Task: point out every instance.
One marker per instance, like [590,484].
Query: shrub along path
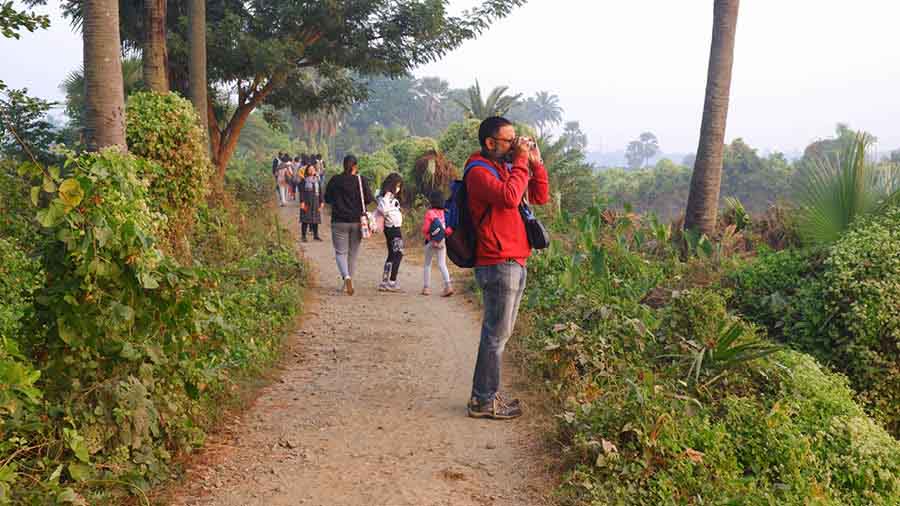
[370,408]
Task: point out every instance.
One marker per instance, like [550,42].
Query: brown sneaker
[448,291]
[348,285]
[495,409]
[426,291]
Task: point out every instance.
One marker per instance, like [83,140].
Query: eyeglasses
[511,140]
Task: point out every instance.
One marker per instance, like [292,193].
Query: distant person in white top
[389,207]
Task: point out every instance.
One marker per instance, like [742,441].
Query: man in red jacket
[501,249]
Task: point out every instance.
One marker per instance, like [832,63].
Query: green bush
[407,151]
[773,428]
[376,166]
[128,355]
[164,128]
[840,305]
[765,289]
[858,331]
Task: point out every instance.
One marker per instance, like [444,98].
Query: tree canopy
[304,55]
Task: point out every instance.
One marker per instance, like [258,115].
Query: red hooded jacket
[501,232]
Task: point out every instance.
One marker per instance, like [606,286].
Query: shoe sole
[491,416]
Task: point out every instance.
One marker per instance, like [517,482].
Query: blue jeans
[502,286]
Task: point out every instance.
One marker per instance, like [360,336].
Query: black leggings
[311,226]
[394,240]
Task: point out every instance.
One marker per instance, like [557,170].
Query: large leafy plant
[835,190]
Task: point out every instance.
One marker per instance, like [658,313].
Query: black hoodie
[342,193]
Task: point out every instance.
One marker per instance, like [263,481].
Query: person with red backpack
[497,180]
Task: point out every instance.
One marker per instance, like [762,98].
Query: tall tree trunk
[703,200]
[155,58]
[197,65]
[103,90]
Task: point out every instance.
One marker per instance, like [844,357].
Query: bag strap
[362,197]
[484,165]
[492,170]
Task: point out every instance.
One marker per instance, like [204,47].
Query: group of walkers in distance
[497,182]
[301,180]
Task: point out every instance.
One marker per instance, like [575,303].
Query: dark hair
[350,161]
[317,156]
[490,127]
[390,182]
[436,199]
[308,168]
[296,158]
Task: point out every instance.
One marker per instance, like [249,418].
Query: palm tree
[154,51]
[703,199]
[497,103]
[432,93]
[197,62]
[547,111]
[73,87]
[104,96]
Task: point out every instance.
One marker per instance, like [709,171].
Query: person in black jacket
[348,194]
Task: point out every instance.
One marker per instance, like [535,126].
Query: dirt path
[370,409]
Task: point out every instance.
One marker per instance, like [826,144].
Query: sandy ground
[369,408]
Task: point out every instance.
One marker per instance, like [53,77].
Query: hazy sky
[621,68]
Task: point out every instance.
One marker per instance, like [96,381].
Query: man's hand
[522,147]
[534,155]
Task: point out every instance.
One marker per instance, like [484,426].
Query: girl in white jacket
[389,208]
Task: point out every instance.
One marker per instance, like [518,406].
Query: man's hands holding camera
[526,146]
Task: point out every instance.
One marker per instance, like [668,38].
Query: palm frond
[836,190]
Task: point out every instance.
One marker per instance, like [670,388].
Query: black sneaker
[495,409]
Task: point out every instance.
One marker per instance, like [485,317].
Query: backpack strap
[492,170]
[484,165]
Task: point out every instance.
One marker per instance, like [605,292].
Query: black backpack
[461,242]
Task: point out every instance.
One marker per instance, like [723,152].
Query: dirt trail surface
[369,409]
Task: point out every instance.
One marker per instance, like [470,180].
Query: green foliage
[840,305]
[711,343]
[164,128]
[13,20]
[834,191]
[377,166]
[459,141]
[25,133]
[758,183]
[858,330]
[497,103]
[121,358]
[408,150]
[773,429]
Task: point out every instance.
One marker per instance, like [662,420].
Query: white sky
[621,68]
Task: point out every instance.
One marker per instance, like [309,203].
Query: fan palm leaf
[836,190]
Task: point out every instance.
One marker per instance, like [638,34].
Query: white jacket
[389,207]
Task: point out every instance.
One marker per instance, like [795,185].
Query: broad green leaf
[69,496]
[35,194]
[148,281]
[70,192]
[80,471]
[49,185]
[76,444]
